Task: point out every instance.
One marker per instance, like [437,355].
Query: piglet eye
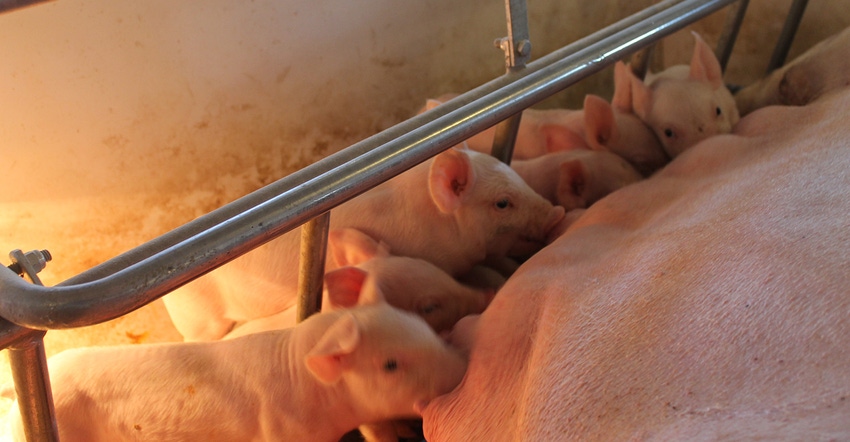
[668,133]
[718,111]
[503,203]
[390,365]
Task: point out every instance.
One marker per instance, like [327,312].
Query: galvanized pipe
[786,37]
[314,242]
[264,194]
[639,63]
[734,18]
[329,182]
[517,47]
[32,387]
[28,361]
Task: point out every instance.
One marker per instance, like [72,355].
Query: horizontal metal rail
[146,273]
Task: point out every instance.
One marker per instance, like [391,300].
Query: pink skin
[823,68]
[599,126]
[472,206]
[686,104]
[578,178]
[410,284]
[708,302]
[315,382]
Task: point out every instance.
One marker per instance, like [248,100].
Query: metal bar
[11,5]
[32,387]
[314,243]
[29,364]
[319,187]
[786,37]
[264,194]
[517,47]
[639,63]
[734,18]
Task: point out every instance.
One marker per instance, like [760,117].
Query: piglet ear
[622,99]
[450,178]
[704,64]
[571,184]
[641,98]
[344,286]
[331,355]
[559,138]
[350,247]
[599,122]
[431,103]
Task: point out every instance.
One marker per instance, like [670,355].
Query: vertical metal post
[314,242]
[29,363]
[32,386]
[734,18]
[786,37]
[639,62]
[517,48]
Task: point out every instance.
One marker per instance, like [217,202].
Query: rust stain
[136,338]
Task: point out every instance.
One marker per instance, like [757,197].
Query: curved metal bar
[293,200]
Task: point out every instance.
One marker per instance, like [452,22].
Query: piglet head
[411,284]
[686,108]
[614,127]
[386,360]
[491,205]
[417,286]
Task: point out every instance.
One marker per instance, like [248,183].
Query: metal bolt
[37,260]
[523,48]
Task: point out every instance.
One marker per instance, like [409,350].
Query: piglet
[540,131]
[599,125]
[411,284]
[823,68]
[627,135]
[686,104]
[455,210]
[578,178]
[317,381]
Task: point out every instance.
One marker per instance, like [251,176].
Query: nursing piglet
[599,125]
[578,178]
[454,211]
[628,136]
[686,104]
[411,284]
[823,68]
[317,381]
[540,131]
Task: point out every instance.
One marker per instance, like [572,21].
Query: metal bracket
[29,263]
[517,45]
[517,49]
